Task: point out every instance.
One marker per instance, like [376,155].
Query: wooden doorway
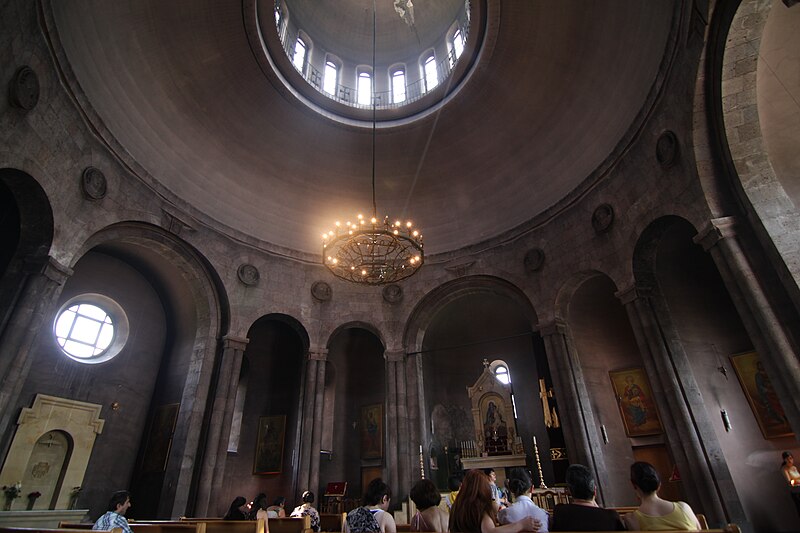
[658,456]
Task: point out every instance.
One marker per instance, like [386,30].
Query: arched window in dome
[430,73]
[330,77]
[398,85]
[458,44]
[364,88]
[300,54]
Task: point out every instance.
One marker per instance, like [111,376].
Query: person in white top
[520,486]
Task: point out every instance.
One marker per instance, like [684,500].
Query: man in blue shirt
[115,516]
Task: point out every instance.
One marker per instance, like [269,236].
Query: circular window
[91,328]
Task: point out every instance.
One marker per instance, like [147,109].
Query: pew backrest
[235,526]
[290,525]
[329,522]
[76,525]
[6,529]
[167,527]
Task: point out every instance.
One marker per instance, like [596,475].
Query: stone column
[404,450]
[216,449]
[394,360]
[316,436]
[43,285]
[777,352]
[577,415]
[690,434]
[309,456]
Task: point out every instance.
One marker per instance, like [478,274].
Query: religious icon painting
[372,431]
[761,396]
[269,445]
[636,402]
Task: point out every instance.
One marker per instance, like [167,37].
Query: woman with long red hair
[474,511]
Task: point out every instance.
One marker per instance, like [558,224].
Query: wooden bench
[75,525]
[200,525]
[730,528]
[167,527]
[53,530]
[290,525]
[329,521]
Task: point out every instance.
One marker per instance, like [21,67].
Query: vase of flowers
[32,499]
[11,492]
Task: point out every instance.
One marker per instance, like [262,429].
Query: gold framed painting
[761,396]
[269,445]
[372,431]
[636,403]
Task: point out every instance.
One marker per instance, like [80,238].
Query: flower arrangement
[12,492]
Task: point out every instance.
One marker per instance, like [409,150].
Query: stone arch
[644,254]
[436,299]
[294,324]
[357,324]
[734,165]
[196,305]
[26,225]
[567,290]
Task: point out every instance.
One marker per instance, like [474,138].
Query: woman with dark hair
[429,516]
[307,509]
[474,510]
[520,487]
[373,517]
[276,510]
[655,514]
[258,507]
[238,509]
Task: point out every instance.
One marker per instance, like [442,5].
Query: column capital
[715,230]
[634,292]
[49,267]
[318,354]
[556,326]
[237,343]
[394,355]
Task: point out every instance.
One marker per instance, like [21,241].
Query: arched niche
[355,378]
[26,233]
[449,334]
[272,370]
[78,424]
[604,343]
[47,467]
[690,296]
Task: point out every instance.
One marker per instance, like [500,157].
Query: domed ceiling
[179,88]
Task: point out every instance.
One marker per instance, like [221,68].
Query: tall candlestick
[421,463]
[538,464]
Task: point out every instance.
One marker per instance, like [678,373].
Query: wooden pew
[330,521]
[167,527]
[53,530]
[730,528]
[235,526]
[290,525]
[75,525]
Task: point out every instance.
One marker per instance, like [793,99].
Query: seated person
[429,517]
[520,486]
[307,509]
[258,507]
[475,511]
[115,516]
[277,509]
[238,509]
[583,514]
[374,515]
[454,484]
[655,514]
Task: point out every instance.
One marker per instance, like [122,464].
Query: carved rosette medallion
[602,218]
[321,291]
[534,260]
[24,90]
[393,294]
[93,183]
[248,274]
[667,149]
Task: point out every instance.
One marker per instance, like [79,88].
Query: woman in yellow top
[655,514]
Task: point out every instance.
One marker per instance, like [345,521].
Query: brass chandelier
[373,251]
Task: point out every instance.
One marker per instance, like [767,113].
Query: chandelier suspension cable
[373,251]
[374,103]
